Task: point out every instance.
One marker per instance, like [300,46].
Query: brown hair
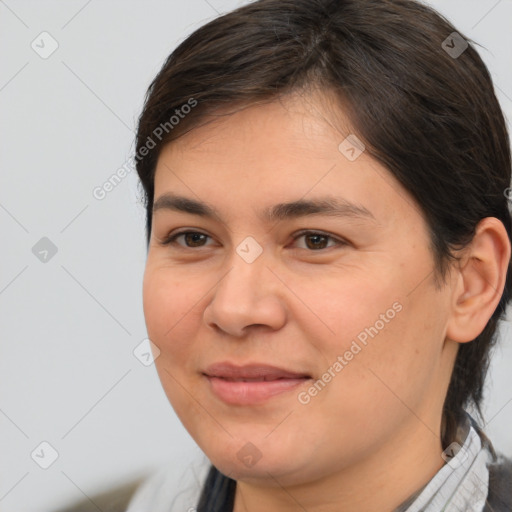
[430,116]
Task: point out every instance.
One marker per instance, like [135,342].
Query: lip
[227,370]
[252,383]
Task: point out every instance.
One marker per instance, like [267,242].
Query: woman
[328,257]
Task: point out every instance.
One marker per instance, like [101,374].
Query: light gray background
[69,326]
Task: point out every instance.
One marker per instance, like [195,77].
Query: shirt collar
[462,480]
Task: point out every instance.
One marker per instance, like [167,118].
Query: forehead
[304,117]
[267,154]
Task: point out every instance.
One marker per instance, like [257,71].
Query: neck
[381,481]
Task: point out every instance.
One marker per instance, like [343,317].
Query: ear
[480,280]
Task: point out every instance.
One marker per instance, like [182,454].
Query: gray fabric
[500,486]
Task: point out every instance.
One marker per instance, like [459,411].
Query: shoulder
[499,498]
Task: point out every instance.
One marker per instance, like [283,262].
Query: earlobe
[480,281]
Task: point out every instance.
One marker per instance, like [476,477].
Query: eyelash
[171,239]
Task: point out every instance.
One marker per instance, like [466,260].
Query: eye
[192,239]
[317,240]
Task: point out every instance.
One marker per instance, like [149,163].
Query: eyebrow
[331,206]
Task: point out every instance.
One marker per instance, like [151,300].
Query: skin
[371,437]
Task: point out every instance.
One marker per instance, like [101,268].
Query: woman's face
[344,321]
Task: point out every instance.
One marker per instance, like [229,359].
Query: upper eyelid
[184,232]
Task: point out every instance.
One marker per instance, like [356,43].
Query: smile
[249,392]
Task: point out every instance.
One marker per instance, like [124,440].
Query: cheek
[389,340]
[395,367]
[170,311]
[169,314]
[343,305]
[168,307]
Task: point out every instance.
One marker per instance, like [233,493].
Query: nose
[248,294]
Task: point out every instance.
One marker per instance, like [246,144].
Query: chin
[255,463]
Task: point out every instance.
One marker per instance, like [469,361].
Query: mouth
[251,384]
[256,379]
